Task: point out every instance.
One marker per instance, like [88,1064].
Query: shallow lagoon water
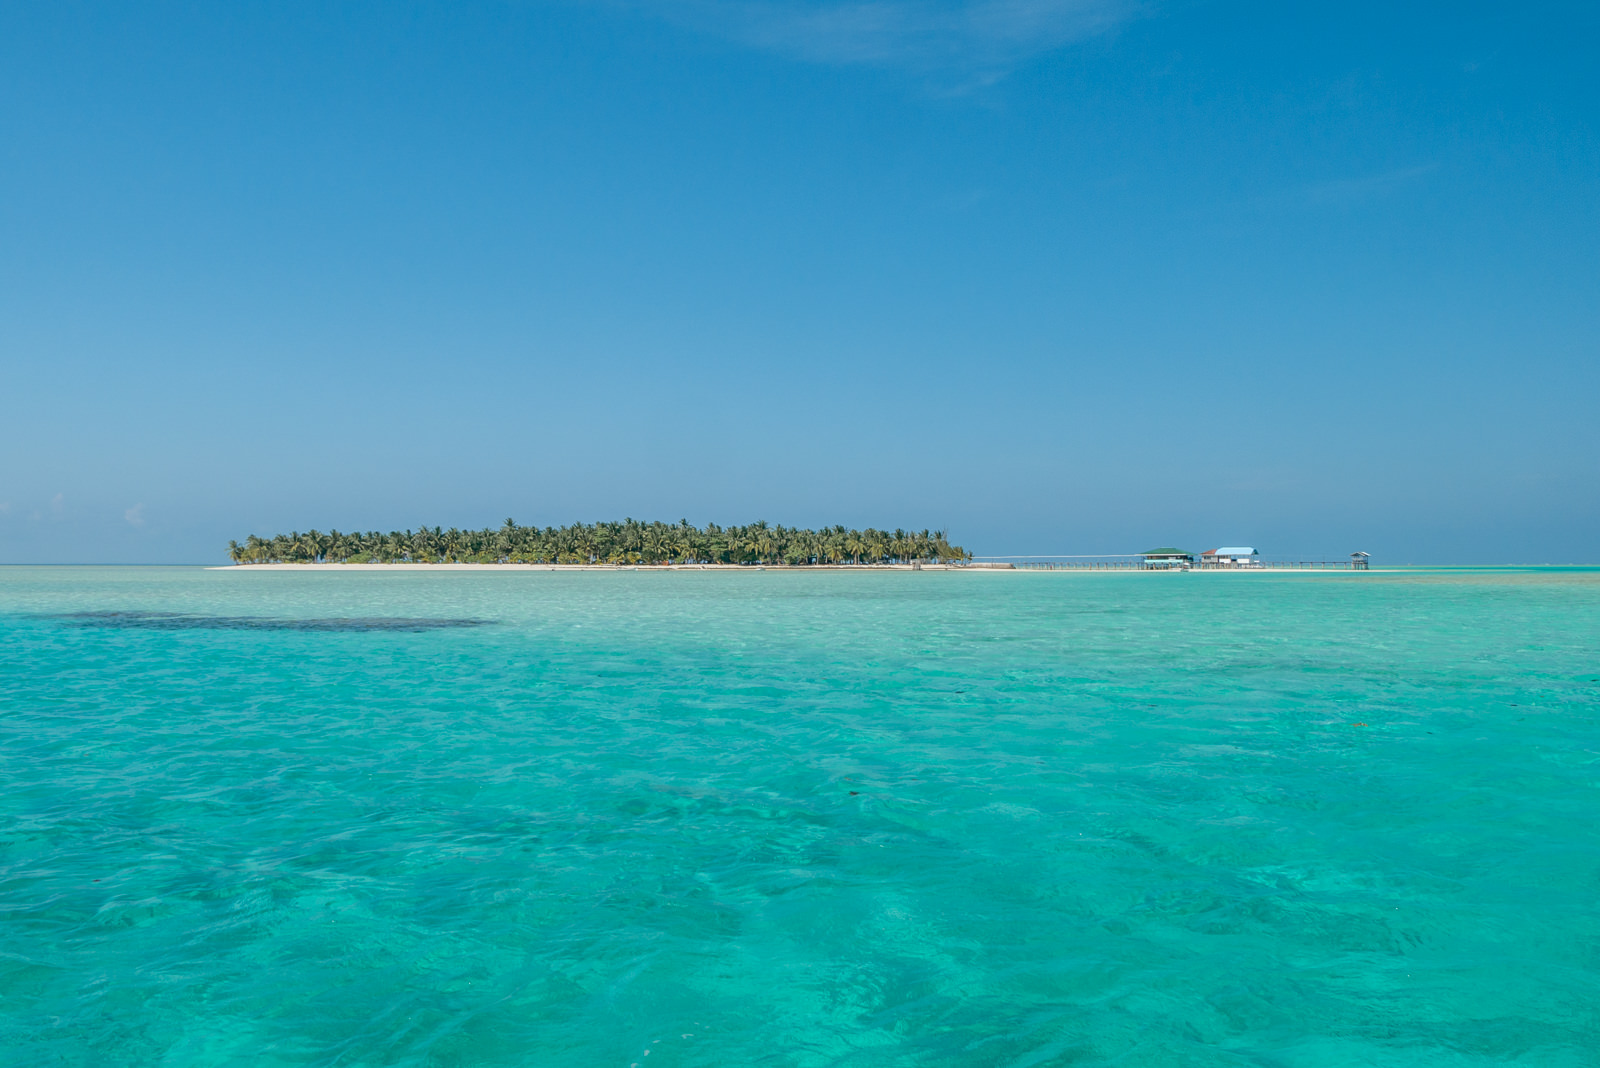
[778,818]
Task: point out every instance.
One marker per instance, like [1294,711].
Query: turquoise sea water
[776,818]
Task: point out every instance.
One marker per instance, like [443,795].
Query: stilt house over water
[1231,556]
[1167,557]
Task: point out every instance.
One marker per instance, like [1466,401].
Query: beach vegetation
[627,542]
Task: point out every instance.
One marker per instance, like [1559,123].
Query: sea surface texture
[779,818]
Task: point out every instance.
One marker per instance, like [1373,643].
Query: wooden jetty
[1173,560]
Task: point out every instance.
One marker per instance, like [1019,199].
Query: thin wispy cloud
[982,38]
[135,515]
[1344,190]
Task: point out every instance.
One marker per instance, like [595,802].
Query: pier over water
[1170,559]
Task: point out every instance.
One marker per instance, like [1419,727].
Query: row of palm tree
[627,542]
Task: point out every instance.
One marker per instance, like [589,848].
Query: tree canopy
[627,542]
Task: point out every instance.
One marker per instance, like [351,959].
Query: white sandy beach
[593,567]
[858,568]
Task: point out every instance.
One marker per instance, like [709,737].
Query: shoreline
[835,568]
[590,567]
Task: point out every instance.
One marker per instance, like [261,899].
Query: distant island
[627,542]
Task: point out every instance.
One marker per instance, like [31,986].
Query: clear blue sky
[1060,276]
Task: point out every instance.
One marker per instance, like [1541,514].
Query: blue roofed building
[1231,556]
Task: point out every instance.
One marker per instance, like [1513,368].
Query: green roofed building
[1167,557]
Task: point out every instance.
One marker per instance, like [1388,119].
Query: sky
[1056,276]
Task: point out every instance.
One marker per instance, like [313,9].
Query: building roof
[1360,554]
[1166,551]
[1235,550]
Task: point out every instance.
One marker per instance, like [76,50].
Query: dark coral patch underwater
[188,621]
